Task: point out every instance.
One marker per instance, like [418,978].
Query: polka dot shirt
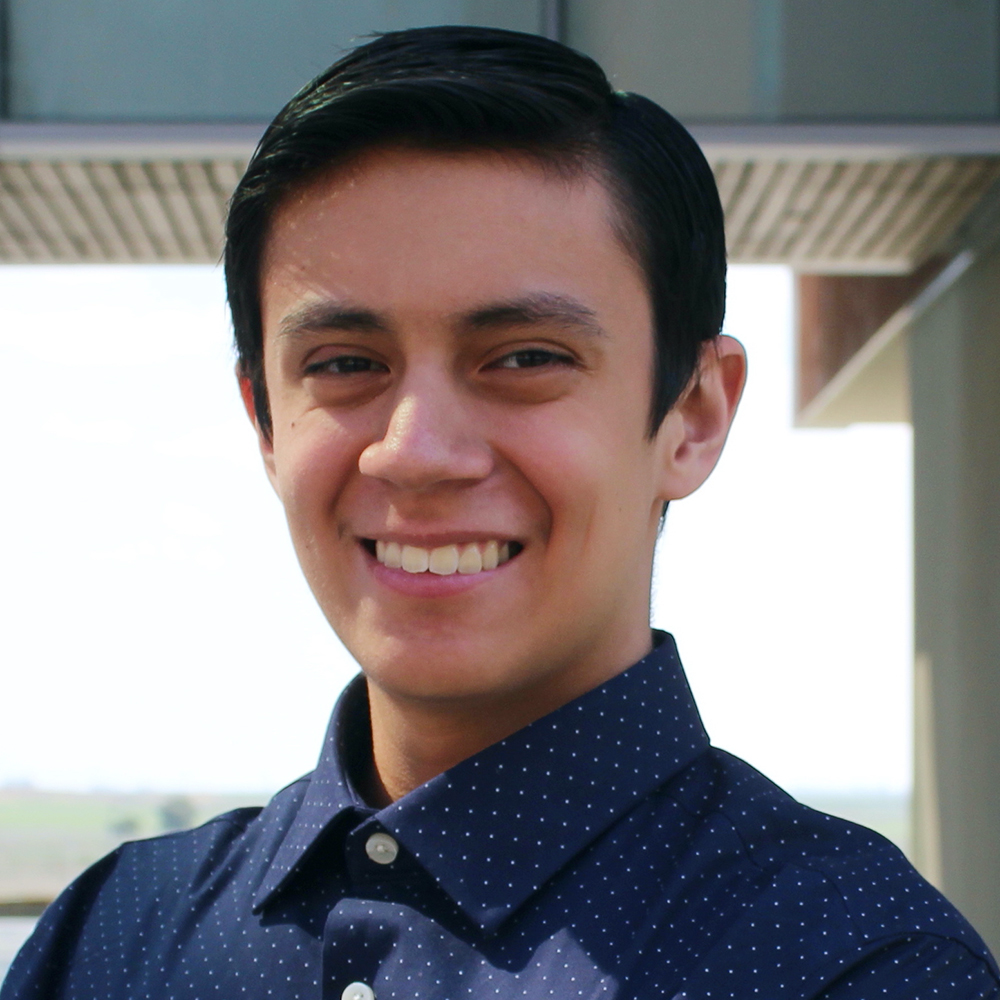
[606,850]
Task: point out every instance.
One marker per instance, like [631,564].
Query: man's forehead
[486,237]
[407,175]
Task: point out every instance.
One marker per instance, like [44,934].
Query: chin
[431,668]
[410,682]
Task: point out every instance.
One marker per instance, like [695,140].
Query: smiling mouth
[445,560]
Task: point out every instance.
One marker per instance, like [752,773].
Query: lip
[433,541]
[430,584]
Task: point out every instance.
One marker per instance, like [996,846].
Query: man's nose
[430,439]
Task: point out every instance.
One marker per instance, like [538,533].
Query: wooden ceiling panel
[882,215]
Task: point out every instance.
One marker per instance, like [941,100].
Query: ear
[263,441]
[692,434]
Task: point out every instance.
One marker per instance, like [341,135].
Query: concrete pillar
[955,386]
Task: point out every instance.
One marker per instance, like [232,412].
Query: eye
[533,357]
[346,364]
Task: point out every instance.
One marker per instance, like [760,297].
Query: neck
[414,740]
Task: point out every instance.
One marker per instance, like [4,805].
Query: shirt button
[358,991]
[382,849]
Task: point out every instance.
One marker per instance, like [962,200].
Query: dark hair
[464,88]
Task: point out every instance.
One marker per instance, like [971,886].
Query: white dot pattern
[604,851]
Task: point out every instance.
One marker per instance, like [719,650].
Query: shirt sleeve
[918,968]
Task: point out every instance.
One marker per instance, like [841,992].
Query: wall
[795,60]
[715,60]
[190,60]
[889,59]
[955,371]
[697,59]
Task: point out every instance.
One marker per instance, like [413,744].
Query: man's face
[458,354]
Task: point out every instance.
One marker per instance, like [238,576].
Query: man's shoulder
[819,893]
[142,882]
[786,840]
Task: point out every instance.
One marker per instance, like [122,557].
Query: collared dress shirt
[606,850]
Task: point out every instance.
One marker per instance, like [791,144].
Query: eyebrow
[530,310]
[527,310]
[327,315]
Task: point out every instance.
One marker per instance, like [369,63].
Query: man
[477,298]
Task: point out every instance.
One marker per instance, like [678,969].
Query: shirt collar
[494,828]
[330,794]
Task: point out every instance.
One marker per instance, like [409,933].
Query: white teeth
[491,555]
[470,561]
[444,560]
[415,560]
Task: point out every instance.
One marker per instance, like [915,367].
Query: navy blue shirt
[606,850]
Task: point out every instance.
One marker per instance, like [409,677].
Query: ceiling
[848,199]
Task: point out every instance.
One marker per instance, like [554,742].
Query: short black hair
[469,89]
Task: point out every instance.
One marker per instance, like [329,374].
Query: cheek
[588,475]
[313,459]
[613,472]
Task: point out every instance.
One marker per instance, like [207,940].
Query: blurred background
[834,588]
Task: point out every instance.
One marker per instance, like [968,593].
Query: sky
[156,633]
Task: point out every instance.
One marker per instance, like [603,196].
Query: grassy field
[48,838]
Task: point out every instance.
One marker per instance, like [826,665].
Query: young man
[477,298]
